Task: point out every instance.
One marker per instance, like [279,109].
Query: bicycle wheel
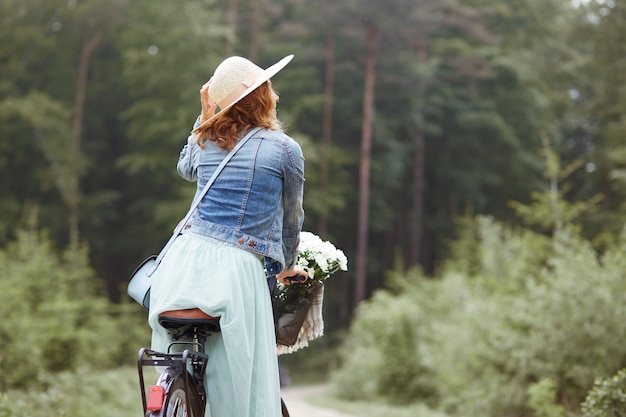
[283,408]
[177,402]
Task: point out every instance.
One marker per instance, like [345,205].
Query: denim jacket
[255,203]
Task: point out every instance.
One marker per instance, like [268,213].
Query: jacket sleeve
[293,193]
[187,166]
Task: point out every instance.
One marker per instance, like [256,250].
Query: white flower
[319,258]
[343,261]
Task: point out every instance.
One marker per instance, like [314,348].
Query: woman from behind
[246,226]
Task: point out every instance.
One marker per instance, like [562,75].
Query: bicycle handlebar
[299,278]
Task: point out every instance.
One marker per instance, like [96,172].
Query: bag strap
[199,198]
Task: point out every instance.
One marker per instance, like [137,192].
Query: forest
[468,156]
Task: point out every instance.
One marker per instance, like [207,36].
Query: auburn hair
[257,109]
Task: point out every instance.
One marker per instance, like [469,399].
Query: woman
[249,221]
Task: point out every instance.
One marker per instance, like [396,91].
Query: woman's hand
[296,270]
[208,105]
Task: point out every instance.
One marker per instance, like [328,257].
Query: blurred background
[468,156]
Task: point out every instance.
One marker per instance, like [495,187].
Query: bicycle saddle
[176,319]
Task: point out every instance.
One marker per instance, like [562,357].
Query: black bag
[289,318]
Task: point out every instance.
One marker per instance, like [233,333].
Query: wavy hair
[257,109]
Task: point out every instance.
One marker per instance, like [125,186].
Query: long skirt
[227,282]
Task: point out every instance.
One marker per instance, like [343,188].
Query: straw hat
[235,78]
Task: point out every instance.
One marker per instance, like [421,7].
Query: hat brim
[264,76]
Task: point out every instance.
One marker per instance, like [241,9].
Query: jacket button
[188,225]
[252,243]
[240,240]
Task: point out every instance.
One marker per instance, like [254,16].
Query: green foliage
[607,398]
[550,209]
[480,79]
[542,399]
[564,325]
[375,409]
[182,42]
[526,311]
[476,80]
[387,355]
[56,317]
[83,393]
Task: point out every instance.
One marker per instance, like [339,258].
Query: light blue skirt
[226,282]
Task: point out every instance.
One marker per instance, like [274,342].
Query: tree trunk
[366,145]
[418,174]
[327,125]
[255,30]
[553,175]
[72,198]
[418,200]
[233,17]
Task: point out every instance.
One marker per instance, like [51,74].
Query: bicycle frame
[183,371]
[180,361]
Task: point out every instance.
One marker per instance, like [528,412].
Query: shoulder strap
[199,198]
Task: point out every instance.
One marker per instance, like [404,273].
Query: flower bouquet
[299,301]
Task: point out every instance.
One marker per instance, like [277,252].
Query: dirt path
[298,405]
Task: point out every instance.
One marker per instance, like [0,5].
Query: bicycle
[179,391]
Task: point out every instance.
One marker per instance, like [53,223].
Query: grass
[311,366]
[85,393]
[375,409]
[115,393]
[372,409]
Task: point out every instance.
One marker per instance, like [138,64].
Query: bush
[542,399]
[562,321]
[386,356]
[524,332]
[84,393]
[56,316]
[607,398]
[568,323]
